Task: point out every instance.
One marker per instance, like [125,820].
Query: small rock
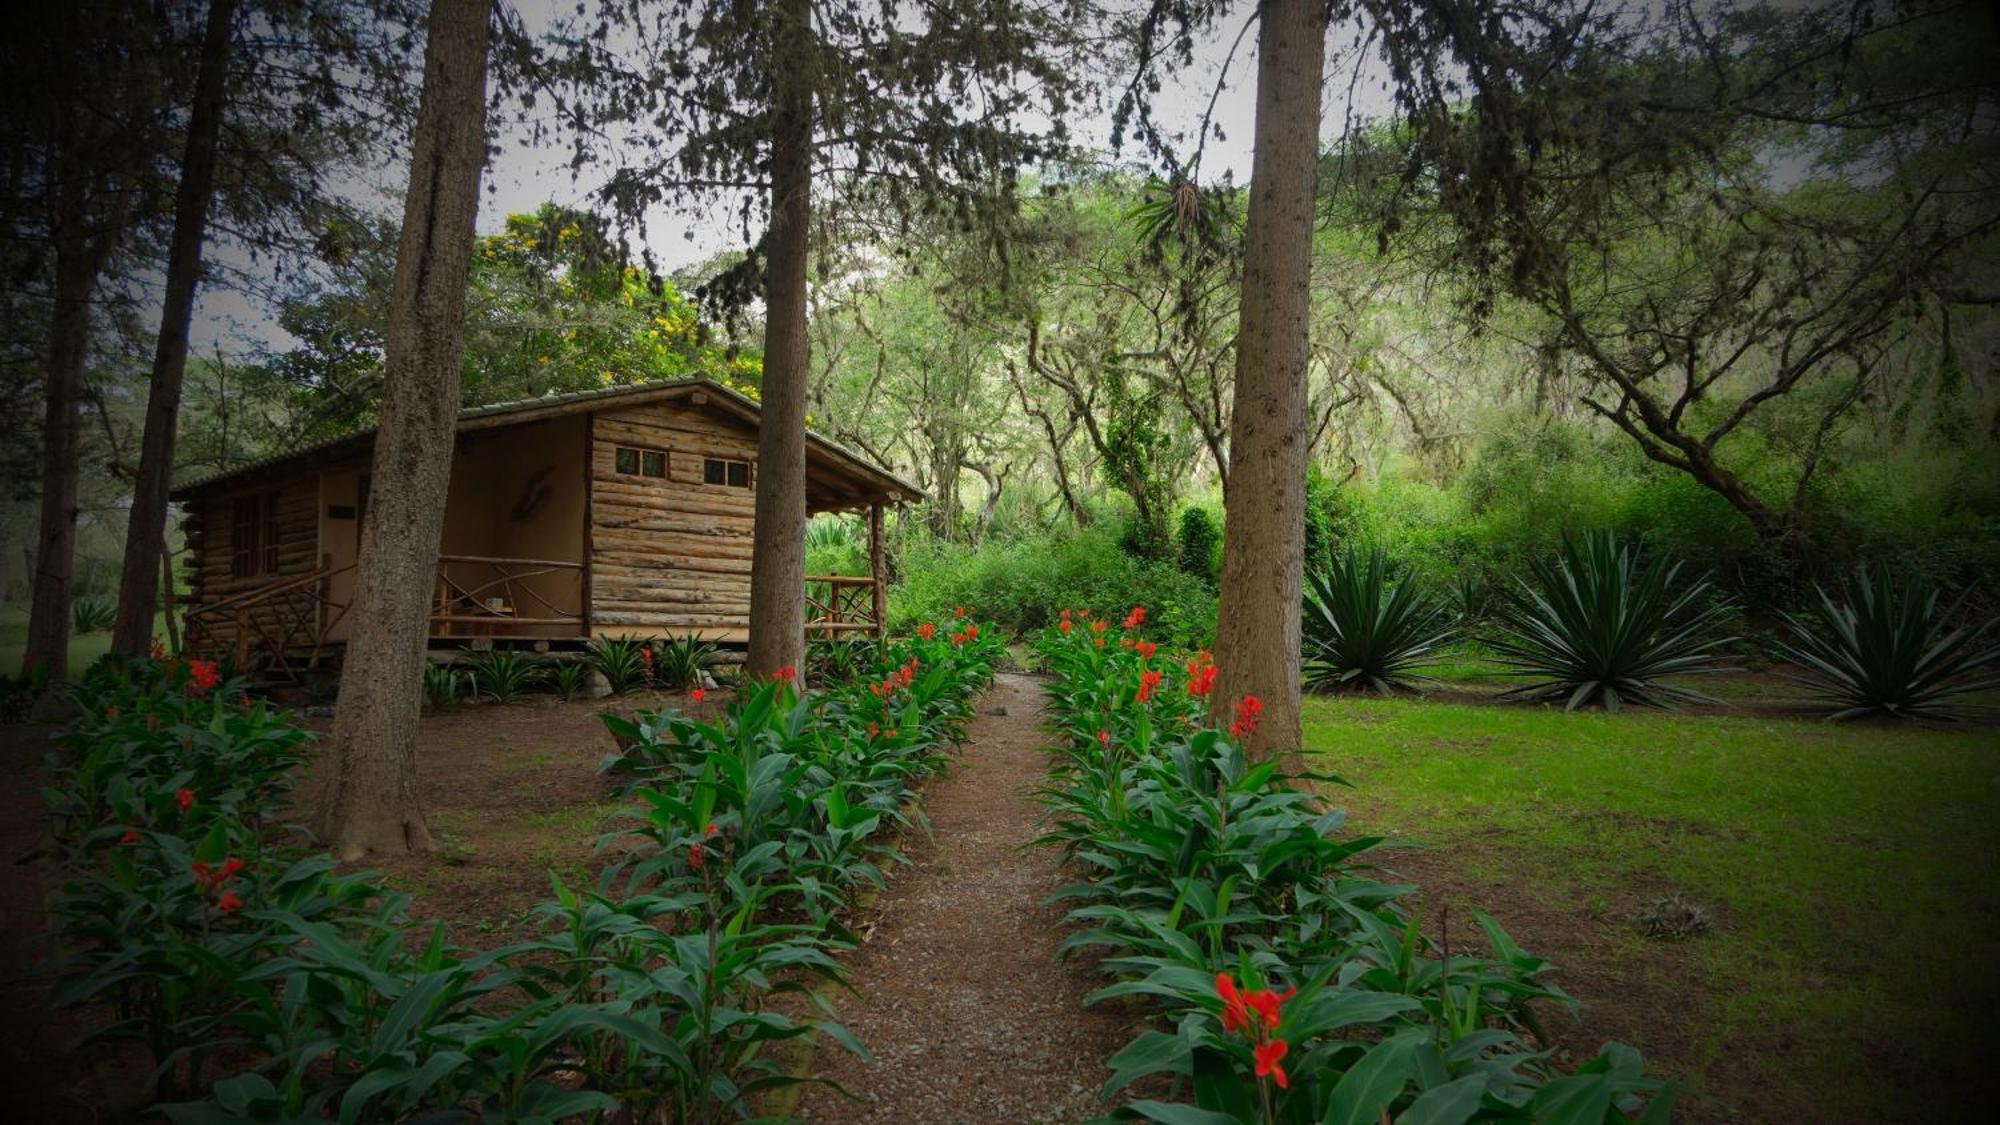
[595,686]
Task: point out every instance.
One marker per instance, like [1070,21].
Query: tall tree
[1263,544]
[145,534]
[938,105]
[373,805]
[82,99]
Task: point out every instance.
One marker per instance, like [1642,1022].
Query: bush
[679,662]
[1365,627]
[93,615]
[1200,545]
[504,674]
[1027,583]
[1883,648]
[443,685]
[622,661]
[1598,625]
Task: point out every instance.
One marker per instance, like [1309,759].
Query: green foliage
[258,983]
[838,660]
[504,674]
[1599,625]
[567,678]
[444,685]
[1322,501]
[19,693]
[1368,628]
[1026,583]
[93,615]
[1200,545]
[678,662]
[620,660]
[1228,898]
[1886,648]
[835,546]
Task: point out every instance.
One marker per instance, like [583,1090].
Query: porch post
[875,568]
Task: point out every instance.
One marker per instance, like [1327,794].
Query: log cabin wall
[670,554]
[286,546]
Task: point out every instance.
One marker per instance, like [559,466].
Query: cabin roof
[878,483]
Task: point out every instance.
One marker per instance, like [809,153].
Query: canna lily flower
[709,829]
[1266,1002]
[203,676]
[787,674]
[184,797]
[1267,1056]
[1134,618]
[694,856]
[1063,625]
[1247,710]
[926,630]
[1104,738]
[1145,649]
[697,694]
[874,729]
[228,902]
[1148,680]
[971,631]
[1235,1014]
[958,611]
[230,867]
[1201,679]
[1097,626]
[131,836]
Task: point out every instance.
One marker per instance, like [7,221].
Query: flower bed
[1293,986]
[263,984]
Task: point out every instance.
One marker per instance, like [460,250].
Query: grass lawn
[84,649]
[1848,872]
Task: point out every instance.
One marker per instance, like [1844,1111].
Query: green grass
[83,650]
[1851,870]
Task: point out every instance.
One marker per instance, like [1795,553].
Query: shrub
[1598,625]
[1885,648]
[93,615]
[835,661]
[504,674]
[679,662]
[622,661]
[443,685]
[1200,541]
[568,677]
[1365,627]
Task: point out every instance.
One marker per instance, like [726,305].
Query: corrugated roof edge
[519,406]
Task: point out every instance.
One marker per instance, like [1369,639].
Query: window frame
[255,535]
[726,467]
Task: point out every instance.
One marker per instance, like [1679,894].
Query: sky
[522,177]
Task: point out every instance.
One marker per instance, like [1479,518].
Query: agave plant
[1366,627]
[1599,625]
[1881,648]
[679,662]
[568,678]
[620,660]
[93,615]
[443,684]
[503,674]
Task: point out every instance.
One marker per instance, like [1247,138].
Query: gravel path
[968,1013]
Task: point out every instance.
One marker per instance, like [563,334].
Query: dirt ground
[960,999]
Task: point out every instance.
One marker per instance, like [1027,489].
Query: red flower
[228,902]
[1148,680]
[1063,625]
[709,829]
[1133,618]
[971,631]
[787,674]
[203,676]
[203,874]
[159,650]
[1065,615]
[1104,738]
[694,856]
[926,630]
[1097,626]
[1266,1002]
[1201,680]
[184,797]
[1267,1055]
[697,693]
[1145,648]
[1235,1015]
[890,733]
[873,730]
[230,867]
[1247,710]
[958,611]
[131,836]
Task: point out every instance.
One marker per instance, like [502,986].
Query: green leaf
[1370,1085]
[1453,1103]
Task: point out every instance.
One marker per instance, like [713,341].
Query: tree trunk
[1257,633]
[778,546]
[80,257]
[374,805]
[145,531]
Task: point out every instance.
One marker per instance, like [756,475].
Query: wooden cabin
[622,511]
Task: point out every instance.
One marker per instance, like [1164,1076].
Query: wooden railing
[844,603]
[286,618]
[491,597]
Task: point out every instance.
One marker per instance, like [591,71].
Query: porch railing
[838,604]
[291,617]
[478,596]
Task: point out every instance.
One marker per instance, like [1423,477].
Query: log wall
[208,525]
[670,556]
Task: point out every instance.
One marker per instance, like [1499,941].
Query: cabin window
[641,462]
[733,474]
[253,535]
